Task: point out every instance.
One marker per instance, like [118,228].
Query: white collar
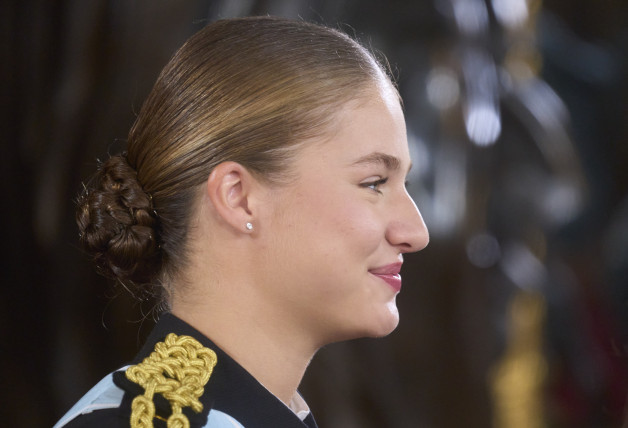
[299,406]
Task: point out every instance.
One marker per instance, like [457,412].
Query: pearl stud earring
[249,226]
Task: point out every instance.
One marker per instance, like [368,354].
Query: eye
[374,185]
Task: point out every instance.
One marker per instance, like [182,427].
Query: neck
[256,339]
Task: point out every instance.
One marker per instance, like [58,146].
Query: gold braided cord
[178,369]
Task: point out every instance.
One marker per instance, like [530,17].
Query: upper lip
[391,269]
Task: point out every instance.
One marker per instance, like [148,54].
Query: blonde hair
[247,90]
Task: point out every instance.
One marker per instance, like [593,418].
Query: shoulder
[100,407]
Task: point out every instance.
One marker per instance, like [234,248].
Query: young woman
[263,193]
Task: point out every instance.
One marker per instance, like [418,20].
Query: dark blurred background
[516,314]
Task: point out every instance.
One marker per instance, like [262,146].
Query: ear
[229,188]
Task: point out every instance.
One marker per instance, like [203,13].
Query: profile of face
[336,235]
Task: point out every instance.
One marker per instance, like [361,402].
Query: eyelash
[374,185]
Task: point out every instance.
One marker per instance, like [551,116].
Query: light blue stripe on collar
[105,395]
[218,419]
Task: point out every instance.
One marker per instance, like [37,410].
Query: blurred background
[515,315]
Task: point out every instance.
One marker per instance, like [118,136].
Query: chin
[375,323]
[382,325]
[389,322]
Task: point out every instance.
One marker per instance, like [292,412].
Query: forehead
[370,130]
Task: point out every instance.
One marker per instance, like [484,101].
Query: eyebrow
[391,163]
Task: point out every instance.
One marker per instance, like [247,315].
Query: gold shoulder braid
[178,369]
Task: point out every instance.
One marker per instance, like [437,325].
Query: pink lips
[390,274]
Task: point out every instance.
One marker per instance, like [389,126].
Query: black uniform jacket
[230,390]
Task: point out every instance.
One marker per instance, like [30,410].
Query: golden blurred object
[518,378]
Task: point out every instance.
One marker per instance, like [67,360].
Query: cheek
[346,221]
[326,220]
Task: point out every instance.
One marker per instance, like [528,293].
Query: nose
[406,229]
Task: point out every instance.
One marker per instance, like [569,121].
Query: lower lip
[393,280]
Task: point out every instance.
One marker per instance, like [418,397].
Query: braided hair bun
[117,224]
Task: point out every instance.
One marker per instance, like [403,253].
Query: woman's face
[336,235]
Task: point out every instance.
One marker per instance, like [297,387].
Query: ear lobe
[228,188]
